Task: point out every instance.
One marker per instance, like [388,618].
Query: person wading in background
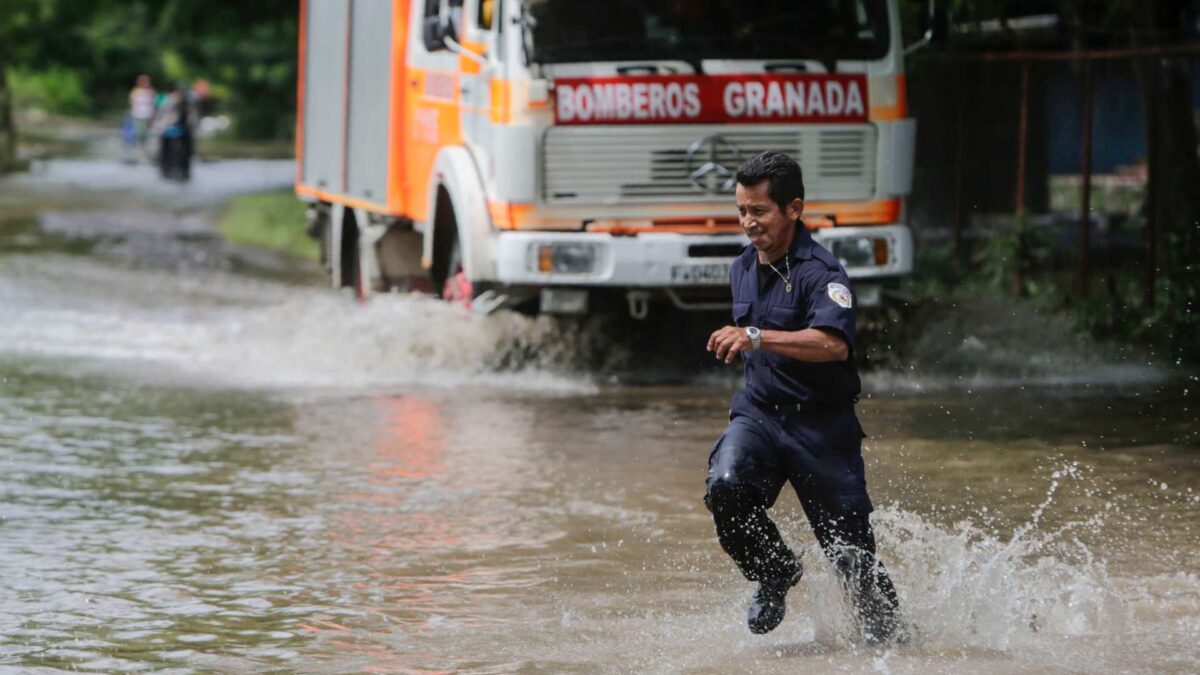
[794,325]
[142,99]
[176,123]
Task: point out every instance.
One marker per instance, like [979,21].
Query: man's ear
[795,209]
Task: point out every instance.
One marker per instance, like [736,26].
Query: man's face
[768,228]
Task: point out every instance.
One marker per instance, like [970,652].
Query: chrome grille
[614,164]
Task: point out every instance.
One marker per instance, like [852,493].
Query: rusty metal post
[959,166]
[1153,176]
[1085,206]
[1018,281]
[1022,137]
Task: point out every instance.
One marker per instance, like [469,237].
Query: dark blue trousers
[820,454]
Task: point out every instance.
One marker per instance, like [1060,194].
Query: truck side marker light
[881,252]
[546,259]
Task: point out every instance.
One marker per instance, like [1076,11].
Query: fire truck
[558,154]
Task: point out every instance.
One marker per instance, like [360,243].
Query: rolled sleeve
[831,304]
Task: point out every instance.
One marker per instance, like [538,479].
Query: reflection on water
[216,529]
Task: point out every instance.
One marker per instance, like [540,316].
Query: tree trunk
[8,128]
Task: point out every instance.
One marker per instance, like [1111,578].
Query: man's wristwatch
[755,336]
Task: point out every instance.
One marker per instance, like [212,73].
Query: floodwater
[204,470]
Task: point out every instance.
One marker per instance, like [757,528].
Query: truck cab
[549,153]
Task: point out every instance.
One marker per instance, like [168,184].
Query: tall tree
[23,23]
[247,50]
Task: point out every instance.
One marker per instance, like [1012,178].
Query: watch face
[755,336]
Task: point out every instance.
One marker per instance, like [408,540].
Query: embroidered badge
[840,294]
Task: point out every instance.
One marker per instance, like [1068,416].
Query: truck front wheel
[457,287]
[351,258]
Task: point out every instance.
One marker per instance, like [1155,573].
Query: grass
[273,220]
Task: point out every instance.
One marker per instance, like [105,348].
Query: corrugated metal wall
[324,109]
[360,169]
[370,75]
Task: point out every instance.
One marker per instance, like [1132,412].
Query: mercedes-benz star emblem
[713,176]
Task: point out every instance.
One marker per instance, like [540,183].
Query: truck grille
[621,164]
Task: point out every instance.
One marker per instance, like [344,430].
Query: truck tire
[457,288]
[360,287]
[352,275]
[325,237]
[450,281]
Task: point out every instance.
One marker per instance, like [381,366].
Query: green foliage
[1115,312]
[76,57]
[268,220]
[1015,256]
[1114,309]
[1177,289]
[55,90]
[247,49]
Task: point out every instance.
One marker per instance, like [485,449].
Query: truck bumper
[672,260]
[645,260]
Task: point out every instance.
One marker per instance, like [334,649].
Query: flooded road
[203,471]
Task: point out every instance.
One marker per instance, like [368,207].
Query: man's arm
[814,345]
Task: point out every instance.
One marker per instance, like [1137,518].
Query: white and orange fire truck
[548,153]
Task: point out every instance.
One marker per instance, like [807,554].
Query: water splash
[965,586]
[234,331]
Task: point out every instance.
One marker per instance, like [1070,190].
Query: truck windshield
[634,30]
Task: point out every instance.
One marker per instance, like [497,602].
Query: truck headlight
[563,258]
[861,251]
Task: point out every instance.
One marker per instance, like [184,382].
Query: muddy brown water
[204,471]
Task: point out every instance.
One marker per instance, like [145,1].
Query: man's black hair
[785,181]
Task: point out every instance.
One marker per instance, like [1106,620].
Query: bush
[56,90]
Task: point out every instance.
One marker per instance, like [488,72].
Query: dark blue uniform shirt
[821,297]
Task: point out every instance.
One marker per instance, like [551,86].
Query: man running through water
[794,326]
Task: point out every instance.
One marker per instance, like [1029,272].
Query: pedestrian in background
[142,107]
[176,123]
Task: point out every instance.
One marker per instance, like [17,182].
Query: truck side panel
[324,87]
[371,71]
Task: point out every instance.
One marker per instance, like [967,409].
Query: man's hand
[728,342]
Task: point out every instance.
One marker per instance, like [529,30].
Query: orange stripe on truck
[877,212]
[817,215]
[397,143]
[509,215]
[466,64]
[333,198]
[894,105]
[501,91]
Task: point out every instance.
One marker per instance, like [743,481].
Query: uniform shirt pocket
[741,313]
[785,317]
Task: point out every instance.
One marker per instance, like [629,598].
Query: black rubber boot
[768,606]
[871,592]
[880,625]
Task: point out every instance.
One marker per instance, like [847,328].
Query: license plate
[705,274]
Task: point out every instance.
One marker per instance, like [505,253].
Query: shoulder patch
[840,294]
